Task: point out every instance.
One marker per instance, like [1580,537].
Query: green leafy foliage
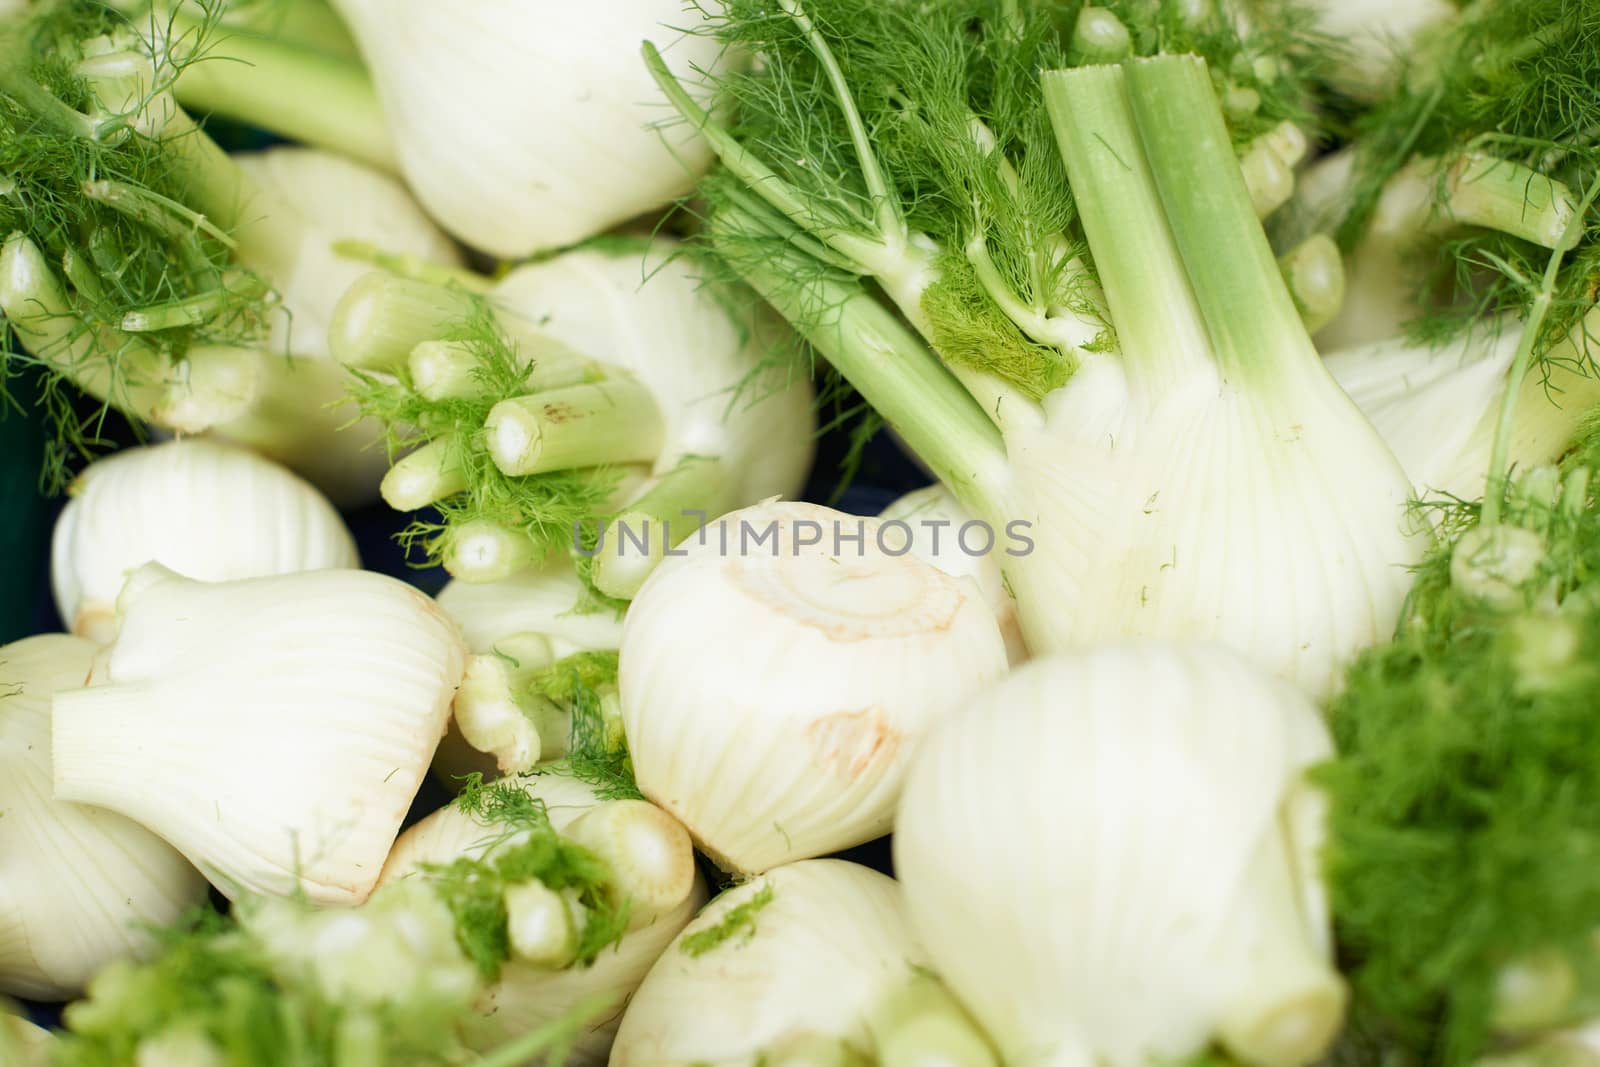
[1514,79]
[900,137]
[597,753]
[214,984]
[107,207]
[738,924]
[1465,828]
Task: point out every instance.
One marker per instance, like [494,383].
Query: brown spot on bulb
[853,743]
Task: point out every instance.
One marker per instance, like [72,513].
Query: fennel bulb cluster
[523,128]
[608,380]
[179,285]
[651,854]
[847,652]
[208,511]
[303,415]
[813,962]
[77,883]
[1162,423]
[1112,857]
[274,730]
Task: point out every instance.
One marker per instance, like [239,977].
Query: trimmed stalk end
[649,852]
[540,926]
[445,370]
[484,551]
[424,476]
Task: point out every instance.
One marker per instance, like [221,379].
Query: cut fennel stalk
[1206,478]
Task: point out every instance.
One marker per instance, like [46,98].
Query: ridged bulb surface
[209,511]
[547,599]
[939,530]
[1113,857]
[527,997]
[1439,407]
[275,730]
[771,694]
[654,316]
[832,940]
[76,882]
[302,416]
[342,200]
[1269,516]
[524,127]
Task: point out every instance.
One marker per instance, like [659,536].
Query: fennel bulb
[935,527]
[303,416]
[847,651]
[1162,423]
[1438,408]
[23,1044]
[523,129]
[77,884]
[514,629]
[1170,895]
[549,599]
[1375,38]
[664,886]
[274,730]
[532,396]
[811,963]
[209,511]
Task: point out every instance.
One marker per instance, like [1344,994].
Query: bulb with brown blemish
[775,677]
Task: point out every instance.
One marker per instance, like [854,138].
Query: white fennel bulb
[302,415]
[1375,39]
[207,510]
[23,1044]
[274,730]
[845,655]
[811,963]
[525,127]
[529,994]
[77,884]
[1438,408]
[937,529]
[549,599]
[1171,893]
